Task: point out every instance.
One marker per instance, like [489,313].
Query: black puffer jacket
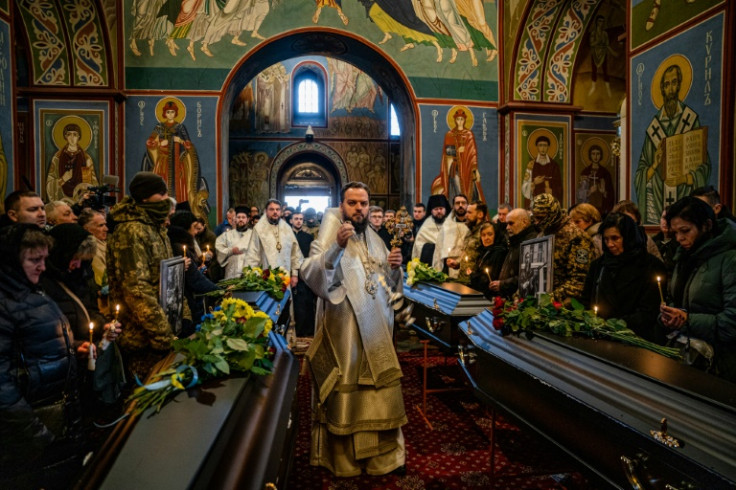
[37,361]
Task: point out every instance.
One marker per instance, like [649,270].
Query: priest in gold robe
[358,407]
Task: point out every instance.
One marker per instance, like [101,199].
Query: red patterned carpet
[456,454]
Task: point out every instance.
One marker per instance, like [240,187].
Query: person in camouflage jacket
[573,249]
[477,214]
[135,250]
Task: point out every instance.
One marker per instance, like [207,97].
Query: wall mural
[172,154]
[651,18]
[71,149]
[351,88]
[430,40]
[459,172]
[167,135]
[595,170]
[366,162]
[249,178]
[676,126]
[273,100]
[542,153]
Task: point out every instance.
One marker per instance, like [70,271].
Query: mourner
[489,259]
[519,228]
[449,246]
[702,293]
[426,239]
[232,245]
[477,215]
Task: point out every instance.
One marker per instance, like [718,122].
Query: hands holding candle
[659,286]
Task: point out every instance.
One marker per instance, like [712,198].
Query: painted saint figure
[70,167]
[674,117]
[171,154]
[543,173]
[597,182]
[459,168]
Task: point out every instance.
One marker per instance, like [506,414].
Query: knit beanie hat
[547,211]
[146,184]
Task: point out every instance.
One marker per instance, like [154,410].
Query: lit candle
[185,251]
[117,311]
[659,286]
[208,249]
[595,310]
[204,258]
[488,274]
[91,330]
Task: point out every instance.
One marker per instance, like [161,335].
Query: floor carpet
[456,453]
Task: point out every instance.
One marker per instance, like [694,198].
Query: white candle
[659,286]
[91,331]
[595,310]
[117,311]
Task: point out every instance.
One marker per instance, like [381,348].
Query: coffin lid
[452,298]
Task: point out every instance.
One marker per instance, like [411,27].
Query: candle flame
[117,308]
[91,326]
[659,279]
[486,270]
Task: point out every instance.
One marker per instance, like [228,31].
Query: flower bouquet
[418,271]
[232,338]
[544,314]
[273,281]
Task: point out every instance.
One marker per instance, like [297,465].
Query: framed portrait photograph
[171,291]
[535,266]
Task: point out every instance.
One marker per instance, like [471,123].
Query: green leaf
[222,365]
[237,344]
[576,305]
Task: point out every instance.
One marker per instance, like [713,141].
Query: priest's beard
[439,221]
[358,222]
[670,106]
[243,228]
[273,222]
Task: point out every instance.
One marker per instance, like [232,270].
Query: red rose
[557,305]
[283,287]
[266,274]
[498,323]
[498,302]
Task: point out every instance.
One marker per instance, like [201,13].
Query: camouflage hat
[547,211]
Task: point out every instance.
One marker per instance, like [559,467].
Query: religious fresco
[676,117]
[273,100]
[6,112]
[366,162]
[600,72]
[248,175]
[543,159]
[72,149]
[437,44]
[4,7]
[351,88]
[596,170]
[167,135]
[80,61]
[651,18]
[459,153]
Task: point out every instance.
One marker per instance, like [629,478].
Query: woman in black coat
[37,359]
[623,282]
[491,254]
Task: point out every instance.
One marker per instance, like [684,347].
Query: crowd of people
[80,285]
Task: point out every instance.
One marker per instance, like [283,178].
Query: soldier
[477,215]
[573,250]
[134,253]
[311,225]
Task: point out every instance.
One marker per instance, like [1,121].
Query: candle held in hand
[117,311]
[488,274]
[91,331]
[659,286]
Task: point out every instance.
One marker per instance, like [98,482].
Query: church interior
[292,99]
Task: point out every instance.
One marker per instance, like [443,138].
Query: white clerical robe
[450,243]
[233,263]
[264,251]
[428,233]
[359,406]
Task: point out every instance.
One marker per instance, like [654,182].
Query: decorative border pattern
[46,40]
[530,55]
[87,43]
[568,34]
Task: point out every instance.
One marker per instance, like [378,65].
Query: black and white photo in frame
[535,266]
[171,291]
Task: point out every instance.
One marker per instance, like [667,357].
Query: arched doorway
[342,46]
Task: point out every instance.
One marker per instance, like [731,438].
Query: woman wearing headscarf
[623,282]
[491,254]
[182,232]
[703,287]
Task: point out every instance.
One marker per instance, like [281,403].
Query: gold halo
[468,119]
[181,114]
[531,144]
[605,150]
[687,78]
[57,133]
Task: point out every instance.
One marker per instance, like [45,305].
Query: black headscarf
[10,243]
[634,243]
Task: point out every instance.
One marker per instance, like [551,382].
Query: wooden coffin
[439,308]
[599,400]
[243,439]
[278,311]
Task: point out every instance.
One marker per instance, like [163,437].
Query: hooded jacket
[134,254]
[709,295]
[37,361]
[509,276]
